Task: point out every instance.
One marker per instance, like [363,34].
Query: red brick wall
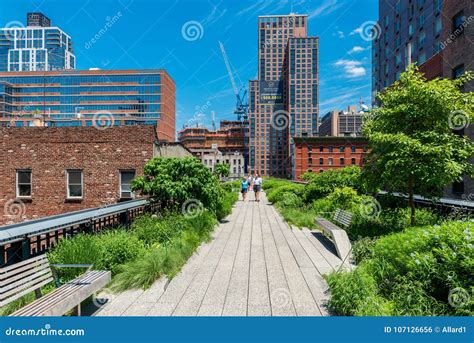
[303,153]
[48,152]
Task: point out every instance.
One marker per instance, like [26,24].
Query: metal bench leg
[38,293]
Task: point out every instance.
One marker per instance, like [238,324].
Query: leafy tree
[222,169]
[413,147]
[173,182]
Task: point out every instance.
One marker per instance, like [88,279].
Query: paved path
[255,265]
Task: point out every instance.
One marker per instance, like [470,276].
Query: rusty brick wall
[49,152]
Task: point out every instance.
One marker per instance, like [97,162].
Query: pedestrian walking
[244,188]
[257,186]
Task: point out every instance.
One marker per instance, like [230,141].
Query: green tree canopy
[222,169]
[176,181]
[413,147]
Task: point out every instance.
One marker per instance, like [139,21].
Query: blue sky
[149,34]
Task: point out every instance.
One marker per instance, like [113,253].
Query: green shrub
[224,208]
[300,217]
[356,293]
[388,221]
[322,184]
[81,249]
[118,247]
[414,271]
[362,249]
[278,193]
[105,251]
[269,183]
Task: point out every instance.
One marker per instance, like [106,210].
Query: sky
[182,36]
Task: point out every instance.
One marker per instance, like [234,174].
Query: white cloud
[352,68]
[356,50]
[340,34]
[328,6]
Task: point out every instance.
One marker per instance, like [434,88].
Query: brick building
[46,171]
[318,154]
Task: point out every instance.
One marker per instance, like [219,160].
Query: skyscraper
[283,102]
[36,47]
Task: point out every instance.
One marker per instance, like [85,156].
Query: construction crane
[241,108]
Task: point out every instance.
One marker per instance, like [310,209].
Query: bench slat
[56,296]
[30,285]
[12,267]
[25,292]
[338,236]
[26,270]
[19,284]
[68,296]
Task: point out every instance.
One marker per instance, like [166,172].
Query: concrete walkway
[255,265]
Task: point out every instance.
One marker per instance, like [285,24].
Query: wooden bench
[337,235]
[30,275]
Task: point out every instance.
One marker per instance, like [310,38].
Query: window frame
[68,171]
[17,184]
[132,194]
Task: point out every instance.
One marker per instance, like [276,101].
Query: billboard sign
[271,92]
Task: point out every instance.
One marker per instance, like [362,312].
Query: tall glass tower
[36,47]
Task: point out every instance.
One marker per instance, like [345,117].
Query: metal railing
[27,239]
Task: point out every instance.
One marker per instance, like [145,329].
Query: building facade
[408,31]
[319,154]
[53,170]
[283,102]
[36,47]
[211,157]
[100,98]
[438,35]
[342,123]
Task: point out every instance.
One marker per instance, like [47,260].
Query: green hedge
[413,272]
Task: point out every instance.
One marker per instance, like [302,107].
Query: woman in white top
[257,186]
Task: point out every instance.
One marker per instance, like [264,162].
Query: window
[341,149]
[23,183]
[321,149]
[438,26]
[321,161]
[330,149]
[458,22]
[422,58]
[458,188]
[74,183]
[411,29]
[330,161]
[126,177]
[353,161]
[458,71]
[341,161]
[353,149]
